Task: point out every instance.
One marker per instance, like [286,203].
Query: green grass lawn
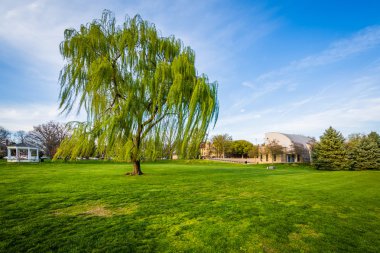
[187,207]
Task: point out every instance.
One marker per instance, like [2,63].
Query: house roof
[300,139]
[21,145]
[287,140]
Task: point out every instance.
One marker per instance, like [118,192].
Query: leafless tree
[4,138]
[20,136]
[4,135]
[47,137]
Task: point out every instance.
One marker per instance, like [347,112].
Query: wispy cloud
[356,116]
[350,104]
[340,50]
[300,97]
[34,30]
[31,30]
[349,118]
[24,117]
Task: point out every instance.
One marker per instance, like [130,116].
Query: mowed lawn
[187,206]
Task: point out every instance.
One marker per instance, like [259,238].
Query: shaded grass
[187,206]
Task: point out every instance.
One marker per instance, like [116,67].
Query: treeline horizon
[331,152]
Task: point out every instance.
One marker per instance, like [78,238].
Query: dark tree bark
[137,168]
[135,155]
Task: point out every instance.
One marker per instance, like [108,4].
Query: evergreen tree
[375,137]
[365,155]
[330,152]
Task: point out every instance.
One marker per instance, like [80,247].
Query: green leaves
[221,143]
[131,81]
[360,152]
[364,152]
[330,152]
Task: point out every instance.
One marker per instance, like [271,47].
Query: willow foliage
[135,86]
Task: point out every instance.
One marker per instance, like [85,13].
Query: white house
[22,153]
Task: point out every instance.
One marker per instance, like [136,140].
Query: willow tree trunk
[136,168]
[135,154]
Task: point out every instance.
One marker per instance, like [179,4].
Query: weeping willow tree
[135,86]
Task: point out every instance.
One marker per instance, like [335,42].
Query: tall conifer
[330,152]
[365,155]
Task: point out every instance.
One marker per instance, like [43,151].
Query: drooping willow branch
[133,82]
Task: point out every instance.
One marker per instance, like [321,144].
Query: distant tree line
[358,152]
[225,146]
[331,152]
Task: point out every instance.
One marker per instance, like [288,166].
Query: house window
[298,158]
[266,157]
[274,157]
[261,158]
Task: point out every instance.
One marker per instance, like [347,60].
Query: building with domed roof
[295,147]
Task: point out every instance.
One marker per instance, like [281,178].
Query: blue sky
[288,66]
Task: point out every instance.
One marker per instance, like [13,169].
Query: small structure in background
[207,150]
[22,153]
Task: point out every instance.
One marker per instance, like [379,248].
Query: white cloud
[350,118]
[248,84]
[33,29]
[259,91]
[351,103]
[339,50]
[359,42]
[24,117]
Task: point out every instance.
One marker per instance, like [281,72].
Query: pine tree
[365,155]
[375,137]
[330,152]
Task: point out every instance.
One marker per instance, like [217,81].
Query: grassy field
[187,207]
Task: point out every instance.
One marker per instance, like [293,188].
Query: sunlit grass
[187,206]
